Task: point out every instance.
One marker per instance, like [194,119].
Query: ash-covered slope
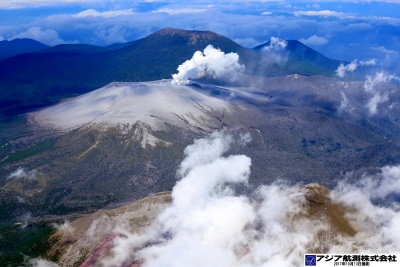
[135,133]
[205,221]
[92,238]
[88,239]
[152,103]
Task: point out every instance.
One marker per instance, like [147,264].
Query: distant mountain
[303,58]
[19,46]
[34,80]
[76,49]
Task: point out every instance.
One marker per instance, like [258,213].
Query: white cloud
[321,13]
[344,103]
[374,222]
[314,40]
[266,13]
[376,100]
[380,77]
[275,44]
[106,14]
[212,63]
[216,227]
[46,36]
[371,86]
[39,262]
[17,4]
[177,11]
[208,224]
[370,62]
[275,51]
[110,35]
[247,42]
[22,173]
[342,70]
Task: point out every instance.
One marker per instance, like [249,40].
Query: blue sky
[344,30]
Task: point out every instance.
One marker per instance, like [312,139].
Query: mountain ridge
[19,46]
[41,79]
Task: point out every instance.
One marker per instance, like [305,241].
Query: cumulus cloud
[46,36]
[314,40]
[214,226]
[212,63]
[177,11]
[16,4]
[106,14]
[266,13]
[111,35]
[374,222]
[275,51]
[22,173]
[275,44]
[321,13]
[342,70]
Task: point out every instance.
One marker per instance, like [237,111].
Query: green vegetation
[16,242]
[36,149]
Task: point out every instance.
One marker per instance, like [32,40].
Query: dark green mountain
[304,59]
[34,80]
[76,48]
[19,46]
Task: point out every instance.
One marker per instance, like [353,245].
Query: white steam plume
[374,222]
[275,44]
[372,88]
[342,70]
[22,173]
[208,224]
[275,51]
[39,262]
[344,103]
[212,63]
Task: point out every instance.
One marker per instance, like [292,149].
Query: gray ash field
[299,130]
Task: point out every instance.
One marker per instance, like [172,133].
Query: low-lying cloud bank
[208,224]
[211,63]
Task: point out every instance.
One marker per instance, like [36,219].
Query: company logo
[310,260]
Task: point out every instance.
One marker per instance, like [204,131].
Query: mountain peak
[19,46]
[192,35]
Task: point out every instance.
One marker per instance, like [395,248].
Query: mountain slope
[303,58]
[19,46]
[75,48]
[35,80]
[43,78]
[135,133]
[90,238]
